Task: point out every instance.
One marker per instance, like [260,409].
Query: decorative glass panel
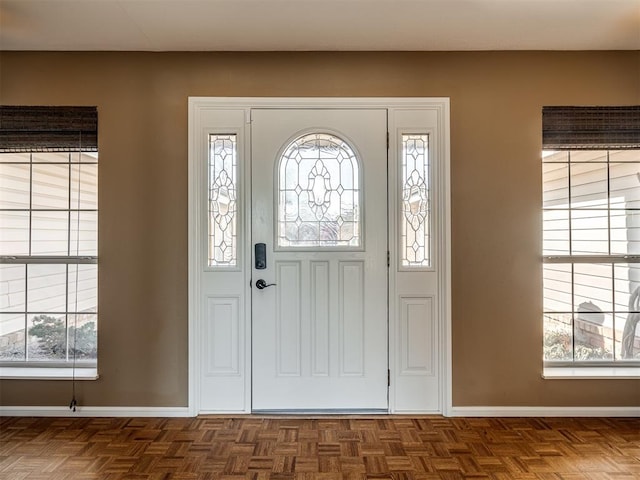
[223,194]
[319,194]
[416,231]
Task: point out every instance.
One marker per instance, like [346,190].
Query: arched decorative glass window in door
[318,193]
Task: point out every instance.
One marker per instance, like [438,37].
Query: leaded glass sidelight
[223,218]
[318,193]
[415,221]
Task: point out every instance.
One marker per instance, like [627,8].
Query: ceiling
[253,25]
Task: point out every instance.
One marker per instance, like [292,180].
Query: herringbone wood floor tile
[325,448]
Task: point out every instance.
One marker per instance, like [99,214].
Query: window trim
[41,372]
[73,133]
[579,128]
[574,129]
[591,372]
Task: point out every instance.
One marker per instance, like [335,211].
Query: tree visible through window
[48,240]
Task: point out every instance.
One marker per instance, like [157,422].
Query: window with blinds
[591,235]
[49,235]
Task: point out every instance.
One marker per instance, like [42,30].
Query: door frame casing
[197,130]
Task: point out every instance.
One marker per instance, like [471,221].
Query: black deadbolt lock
[261,256]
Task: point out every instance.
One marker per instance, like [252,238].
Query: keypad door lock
[260,256]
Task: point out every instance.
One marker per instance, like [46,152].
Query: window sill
[44,373]
[592,373]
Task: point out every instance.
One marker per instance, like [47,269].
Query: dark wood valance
[48,129]
[582,128]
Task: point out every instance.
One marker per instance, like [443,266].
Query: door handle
[261,284]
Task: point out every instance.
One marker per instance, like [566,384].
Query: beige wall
[496,100]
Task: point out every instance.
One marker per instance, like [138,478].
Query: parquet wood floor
[344,448]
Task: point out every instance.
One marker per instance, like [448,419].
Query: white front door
[319,214]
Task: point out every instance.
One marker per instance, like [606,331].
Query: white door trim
[198,106]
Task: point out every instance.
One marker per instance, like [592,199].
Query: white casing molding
[421,388]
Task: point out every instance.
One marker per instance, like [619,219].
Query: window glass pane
[84,233]
[15,157]
[83,336]
[558,337]
[592,288]
[627,287]
[415,240]
[625,232]
[46,288]
[624,156]
[593,320]
[624,184]
[50,189]
[49,233]
[83,288]
[589,185]
[555,156]
[84,157]
[555,185]
[589,232]
[47,337]
[14,185]
[50,157]
[12,341]
[557,287]
[223,197]
[318,193]
[588,155]
[627,342]
[12,288]
[14,234]
[593,341]
[84,186]
[555,232]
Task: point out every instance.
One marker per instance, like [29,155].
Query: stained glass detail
[416,231]
[318,193]
[223,196]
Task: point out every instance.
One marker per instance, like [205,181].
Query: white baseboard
[95,412]
[544,412]
[453,412]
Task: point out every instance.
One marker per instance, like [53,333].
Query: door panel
[319,336]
